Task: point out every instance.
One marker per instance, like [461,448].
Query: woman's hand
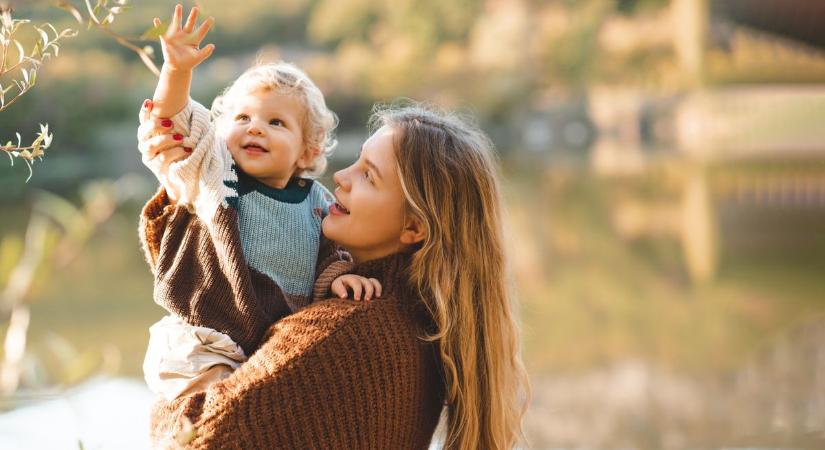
[357,284]
[156,139]
[159,145]
[180,45]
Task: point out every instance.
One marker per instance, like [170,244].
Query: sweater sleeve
[337,374]
[333,260]
[153,221]
[205,280]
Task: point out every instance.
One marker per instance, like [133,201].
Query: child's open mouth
[254,148]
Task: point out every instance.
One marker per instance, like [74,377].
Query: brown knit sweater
[200,270]
[337,374]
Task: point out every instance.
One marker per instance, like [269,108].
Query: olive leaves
[18,75]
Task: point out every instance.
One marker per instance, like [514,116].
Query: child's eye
[241,117]
[276,122]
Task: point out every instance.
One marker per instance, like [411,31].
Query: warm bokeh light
[664,168]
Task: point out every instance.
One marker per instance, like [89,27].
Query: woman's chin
[330,229]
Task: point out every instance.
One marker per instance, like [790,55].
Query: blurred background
[664,169]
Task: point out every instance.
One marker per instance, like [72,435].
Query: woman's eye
[276,122]
[367,175]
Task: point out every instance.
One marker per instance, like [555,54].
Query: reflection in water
[671,287]
[777,400]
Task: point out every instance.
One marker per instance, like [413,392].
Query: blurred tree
[55,234]
[57,230]
[18,67]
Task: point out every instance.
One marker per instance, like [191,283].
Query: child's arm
[190,122]
[180,56]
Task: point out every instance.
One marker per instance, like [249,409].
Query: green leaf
[21,53]
[31,172]
[43,36]
[72,10]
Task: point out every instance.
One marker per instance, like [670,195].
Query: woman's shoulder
[322,319]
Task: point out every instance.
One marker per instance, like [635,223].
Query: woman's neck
[361,256]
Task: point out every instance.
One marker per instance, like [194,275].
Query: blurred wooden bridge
[730,150]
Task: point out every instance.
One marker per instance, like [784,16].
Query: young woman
[420,211]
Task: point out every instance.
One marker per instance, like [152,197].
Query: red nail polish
[187,149]
[177,137]
[166,123]
[146,103]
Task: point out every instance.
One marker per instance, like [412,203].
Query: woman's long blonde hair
[448,173]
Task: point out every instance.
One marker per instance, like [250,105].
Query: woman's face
[368,218]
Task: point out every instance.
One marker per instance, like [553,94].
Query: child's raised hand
[369,286]
[180,44]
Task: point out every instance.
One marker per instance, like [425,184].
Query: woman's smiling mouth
[338,210]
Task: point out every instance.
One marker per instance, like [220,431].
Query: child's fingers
[204,53]
[156,22]
[190,22]
[368,288]
[174,24]
[338,288]
[377,286]
[202,30]
[356,288]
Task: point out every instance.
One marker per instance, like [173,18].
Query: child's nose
[254,129]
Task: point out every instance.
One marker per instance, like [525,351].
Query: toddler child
[247,182]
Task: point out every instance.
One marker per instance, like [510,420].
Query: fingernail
[146,103]
[166,123]
[187,149]
[177,137]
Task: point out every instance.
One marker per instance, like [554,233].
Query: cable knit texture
[280,229]
[337,374]
[202,276]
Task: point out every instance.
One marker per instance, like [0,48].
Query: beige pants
[183,358]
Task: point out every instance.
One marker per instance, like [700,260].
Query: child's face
[263,131]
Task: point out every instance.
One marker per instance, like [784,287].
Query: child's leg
[183,358]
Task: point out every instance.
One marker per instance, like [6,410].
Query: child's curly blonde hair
[319,121]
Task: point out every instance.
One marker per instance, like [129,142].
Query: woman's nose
[341,179]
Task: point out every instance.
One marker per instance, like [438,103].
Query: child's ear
[414,231]
[308,157]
